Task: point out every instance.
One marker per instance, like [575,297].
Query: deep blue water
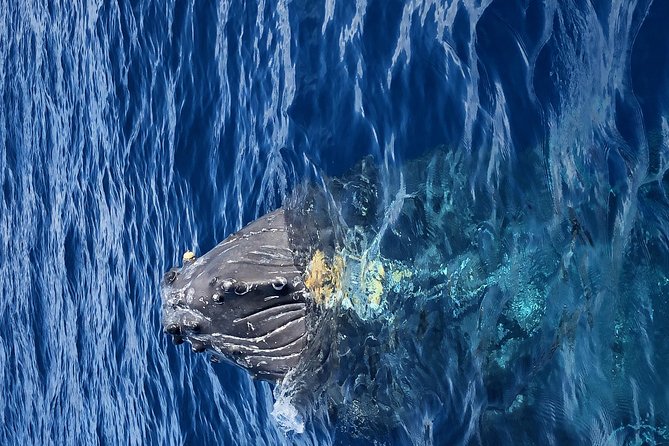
[131,132]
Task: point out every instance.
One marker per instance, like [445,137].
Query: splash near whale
[367,307]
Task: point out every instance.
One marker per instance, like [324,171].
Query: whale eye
[213,281]
[278,283]
[242,288]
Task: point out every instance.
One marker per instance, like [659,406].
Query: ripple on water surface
[130,133]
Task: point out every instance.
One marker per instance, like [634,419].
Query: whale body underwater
[361,284]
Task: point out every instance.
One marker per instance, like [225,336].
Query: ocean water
[133,131]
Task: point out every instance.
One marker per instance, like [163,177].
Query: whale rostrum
[244,300]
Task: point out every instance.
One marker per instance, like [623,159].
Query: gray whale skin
[245,300]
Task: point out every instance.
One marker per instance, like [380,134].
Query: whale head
[244,300]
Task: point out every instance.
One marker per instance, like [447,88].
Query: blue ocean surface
[131,132]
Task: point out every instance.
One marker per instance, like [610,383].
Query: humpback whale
[422,292]
[383,298]
[256,299]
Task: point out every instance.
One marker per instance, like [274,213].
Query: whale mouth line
[272,313]
[264,261]
[264,337]
[274,352]
[262,359]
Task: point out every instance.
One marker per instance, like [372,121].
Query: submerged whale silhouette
[256,298]
[498,282]
[429,292]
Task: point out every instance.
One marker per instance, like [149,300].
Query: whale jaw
[243,300]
